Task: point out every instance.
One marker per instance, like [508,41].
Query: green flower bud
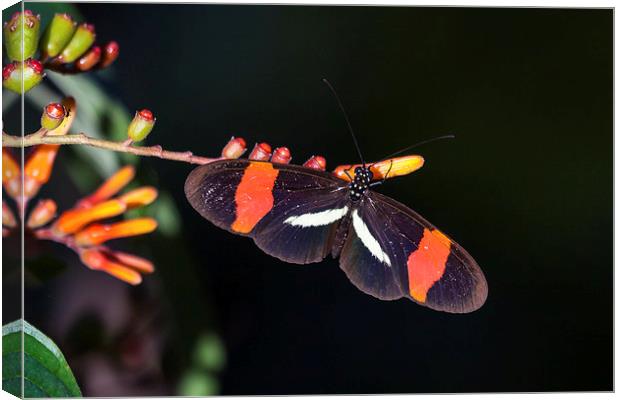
[29,24]
[53,115]
[32,71]
[81,41]
[141,125]
[57,35]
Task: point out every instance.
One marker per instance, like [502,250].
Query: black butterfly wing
[363,256]
[291,212]
[429,267]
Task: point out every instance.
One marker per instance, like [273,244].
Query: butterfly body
[301,215]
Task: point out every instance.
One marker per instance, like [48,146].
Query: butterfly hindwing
[432,269]
[364,259]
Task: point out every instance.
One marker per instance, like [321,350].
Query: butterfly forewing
[291,212]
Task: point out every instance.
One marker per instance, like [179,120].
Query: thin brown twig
[40,137]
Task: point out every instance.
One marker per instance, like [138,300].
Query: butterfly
[302,215]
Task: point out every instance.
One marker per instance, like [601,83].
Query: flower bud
[57,35]
[141,125]
[234,148]
[20,26]
[42,214]
[82,39]
[281,155]
[88,60]
[110,53]
[261,152]
[70,113]
[12,75]
[316,162]
[53,114]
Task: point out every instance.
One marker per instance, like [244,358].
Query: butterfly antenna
[418,144]
[346,117]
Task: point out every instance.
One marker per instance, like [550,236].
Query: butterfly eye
[358,170]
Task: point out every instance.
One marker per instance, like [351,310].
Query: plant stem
[40,137]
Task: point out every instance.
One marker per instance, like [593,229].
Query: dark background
[526,187]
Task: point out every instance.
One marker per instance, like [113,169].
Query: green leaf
[46,372]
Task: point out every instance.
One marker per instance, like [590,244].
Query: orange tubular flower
[110,187]
[138,263]
[11,175]
[139,197]
[97,260]
[99,233]
[73,220]
[8,218]
[385,169]
[38,168]
[42,214]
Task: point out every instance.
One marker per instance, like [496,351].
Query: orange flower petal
[11,176]
[110,187]
[141,264]
[63,128]
[8,218]
[42,214]
[38,168]
[97,234]
[398,166]
[139,197]
[96,260]
[73,220]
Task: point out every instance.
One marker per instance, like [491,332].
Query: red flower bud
[261,152]
[141,125]
[31,70]
[234,148]
[88,60]
[7,70]
[35,65]
[281,155]
[316,162]
[110,53]
[53,114]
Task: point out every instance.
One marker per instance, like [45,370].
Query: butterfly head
[361,182]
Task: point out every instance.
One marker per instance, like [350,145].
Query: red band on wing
[426,265]
[254,197]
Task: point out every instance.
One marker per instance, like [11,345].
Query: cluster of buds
[236,147]
[79,228]
[64,47]
[383,169]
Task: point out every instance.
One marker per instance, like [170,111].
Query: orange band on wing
[254,197]
[427,264]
